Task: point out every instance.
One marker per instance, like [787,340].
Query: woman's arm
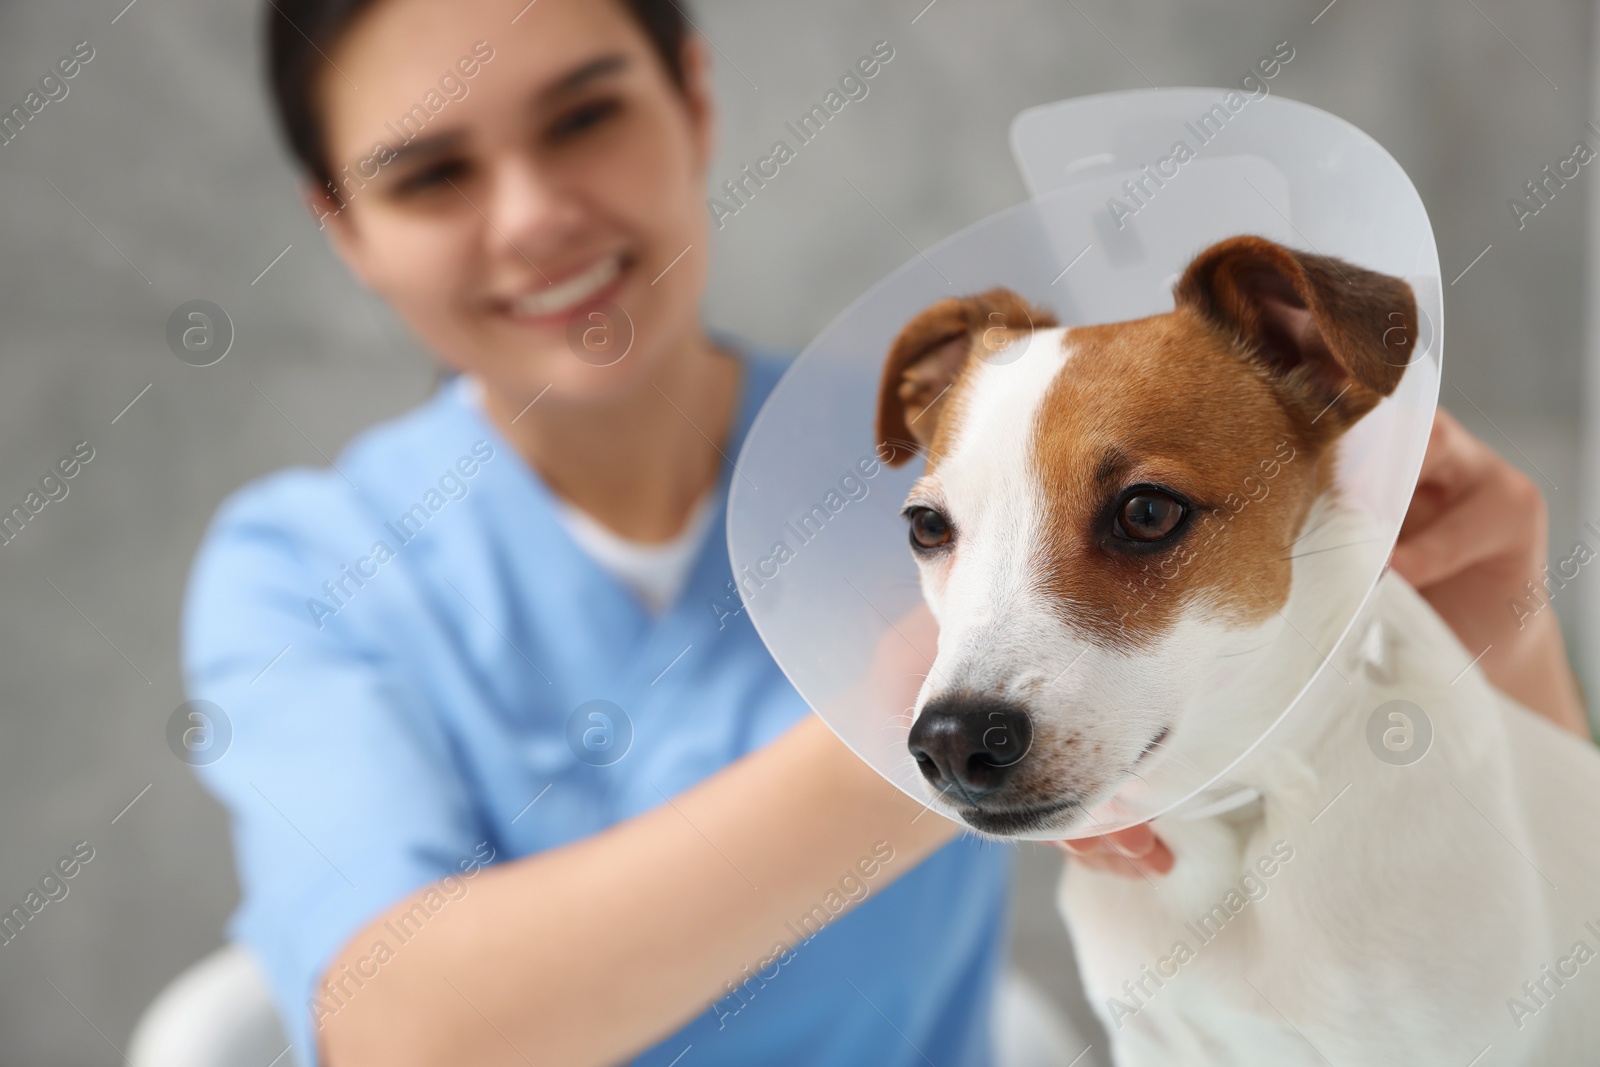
[587,953]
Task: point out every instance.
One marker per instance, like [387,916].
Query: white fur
[1414,907]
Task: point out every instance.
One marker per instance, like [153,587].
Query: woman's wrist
[1537,674]
[925,829]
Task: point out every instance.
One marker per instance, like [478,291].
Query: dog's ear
[929,354]
[1335,337]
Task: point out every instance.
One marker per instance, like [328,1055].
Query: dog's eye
[1149,515]
[928,529]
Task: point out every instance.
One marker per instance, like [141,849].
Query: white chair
[219,1013]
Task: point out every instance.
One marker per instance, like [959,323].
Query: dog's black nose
[970,745]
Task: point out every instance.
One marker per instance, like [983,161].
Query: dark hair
[300,34]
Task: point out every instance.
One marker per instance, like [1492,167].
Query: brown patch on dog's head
[928,356]
[1231,403]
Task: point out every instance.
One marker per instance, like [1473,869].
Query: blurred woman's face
[525,185]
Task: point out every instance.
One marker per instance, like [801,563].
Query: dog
[1354,911]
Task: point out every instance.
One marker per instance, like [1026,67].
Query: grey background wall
[157,180]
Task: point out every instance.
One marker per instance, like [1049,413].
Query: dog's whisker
[1187,763]
[1176,754]
[1245,652]
[1330,548]
[907,717]
[1307,533]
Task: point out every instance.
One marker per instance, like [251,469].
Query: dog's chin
[1011,822]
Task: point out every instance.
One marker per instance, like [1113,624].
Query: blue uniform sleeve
[342,784]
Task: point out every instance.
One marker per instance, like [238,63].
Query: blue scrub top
[404,650]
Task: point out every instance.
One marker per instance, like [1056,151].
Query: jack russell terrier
[1357,912]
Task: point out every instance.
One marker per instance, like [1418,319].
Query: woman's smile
[567,293]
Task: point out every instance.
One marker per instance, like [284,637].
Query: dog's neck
[1245,694]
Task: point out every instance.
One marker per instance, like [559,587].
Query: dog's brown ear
[928,356]
[1336,337]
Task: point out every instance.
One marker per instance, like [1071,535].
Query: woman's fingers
[1500,516]
[1454,457]
[1134,842]
[1470,506]
[1453,463]
[1134,851]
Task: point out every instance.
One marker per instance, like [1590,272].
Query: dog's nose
[970,745]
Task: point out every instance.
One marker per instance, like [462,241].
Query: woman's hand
[1474,535]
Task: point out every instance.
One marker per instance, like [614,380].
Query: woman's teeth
[570,293]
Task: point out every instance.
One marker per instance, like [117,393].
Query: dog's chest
[1362,886]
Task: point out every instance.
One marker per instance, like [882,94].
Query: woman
[504,787]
